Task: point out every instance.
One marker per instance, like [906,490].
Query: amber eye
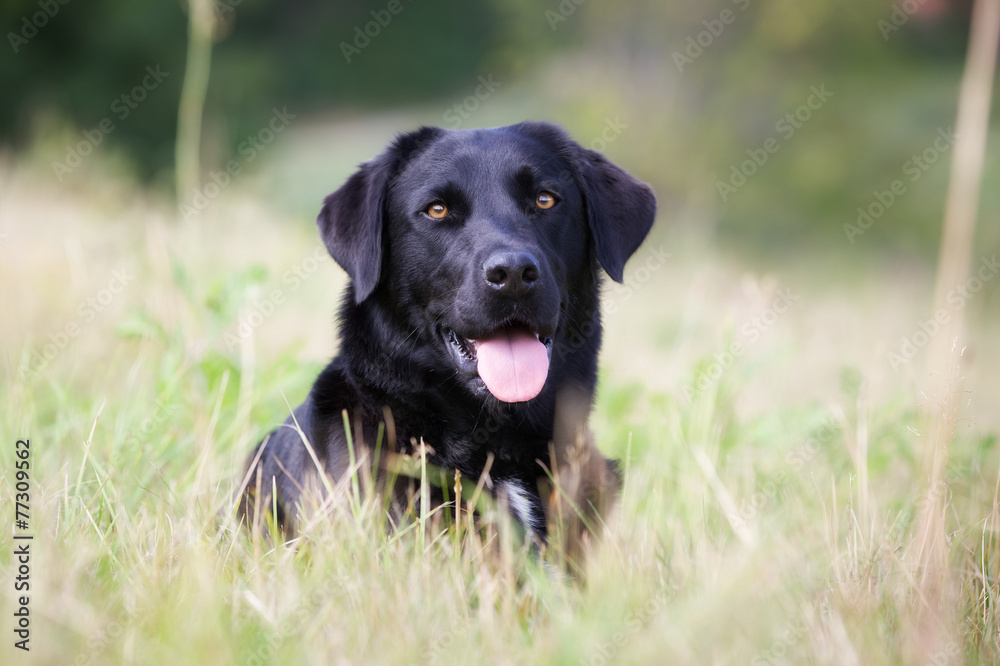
[545,200]
[437,210]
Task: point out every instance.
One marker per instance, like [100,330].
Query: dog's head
[479,237]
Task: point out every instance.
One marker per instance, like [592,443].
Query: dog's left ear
[353,218]
[620,210]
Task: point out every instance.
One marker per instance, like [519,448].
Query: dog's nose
[510,272]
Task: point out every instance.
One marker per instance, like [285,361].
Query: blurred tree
[307,55]
[707,82]
[729,72]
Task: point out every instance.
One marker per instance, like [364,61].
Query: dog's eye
[545,200]
[437,210]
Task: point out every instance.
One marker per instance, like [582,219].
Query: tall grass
[744,535]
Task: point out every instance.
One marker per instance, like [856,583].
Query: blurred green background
[158,335]
[697,88]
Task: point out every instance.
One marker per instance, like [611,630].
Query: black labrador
[472,320]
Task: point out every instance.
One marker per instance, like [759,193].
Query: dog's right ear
[353,218]
[620,209]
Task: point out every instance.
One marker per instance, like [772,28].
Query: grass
[769,515]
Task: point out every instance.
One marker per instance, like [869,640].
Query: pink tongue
[514,364]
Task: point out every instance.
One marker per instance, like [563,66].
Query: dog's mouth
[511,361]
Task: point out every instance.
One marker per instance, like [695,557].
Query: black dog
[473,308]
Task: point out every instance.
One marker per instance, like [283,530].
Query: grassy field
[774,458]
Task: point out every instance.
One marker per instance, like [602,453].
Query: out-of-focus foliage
[707,84]
[709,94]
[86,55]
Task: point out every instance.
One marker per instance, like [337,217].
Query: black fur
[415,278]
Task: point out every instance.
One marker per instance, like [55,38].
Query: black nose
[510,272]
